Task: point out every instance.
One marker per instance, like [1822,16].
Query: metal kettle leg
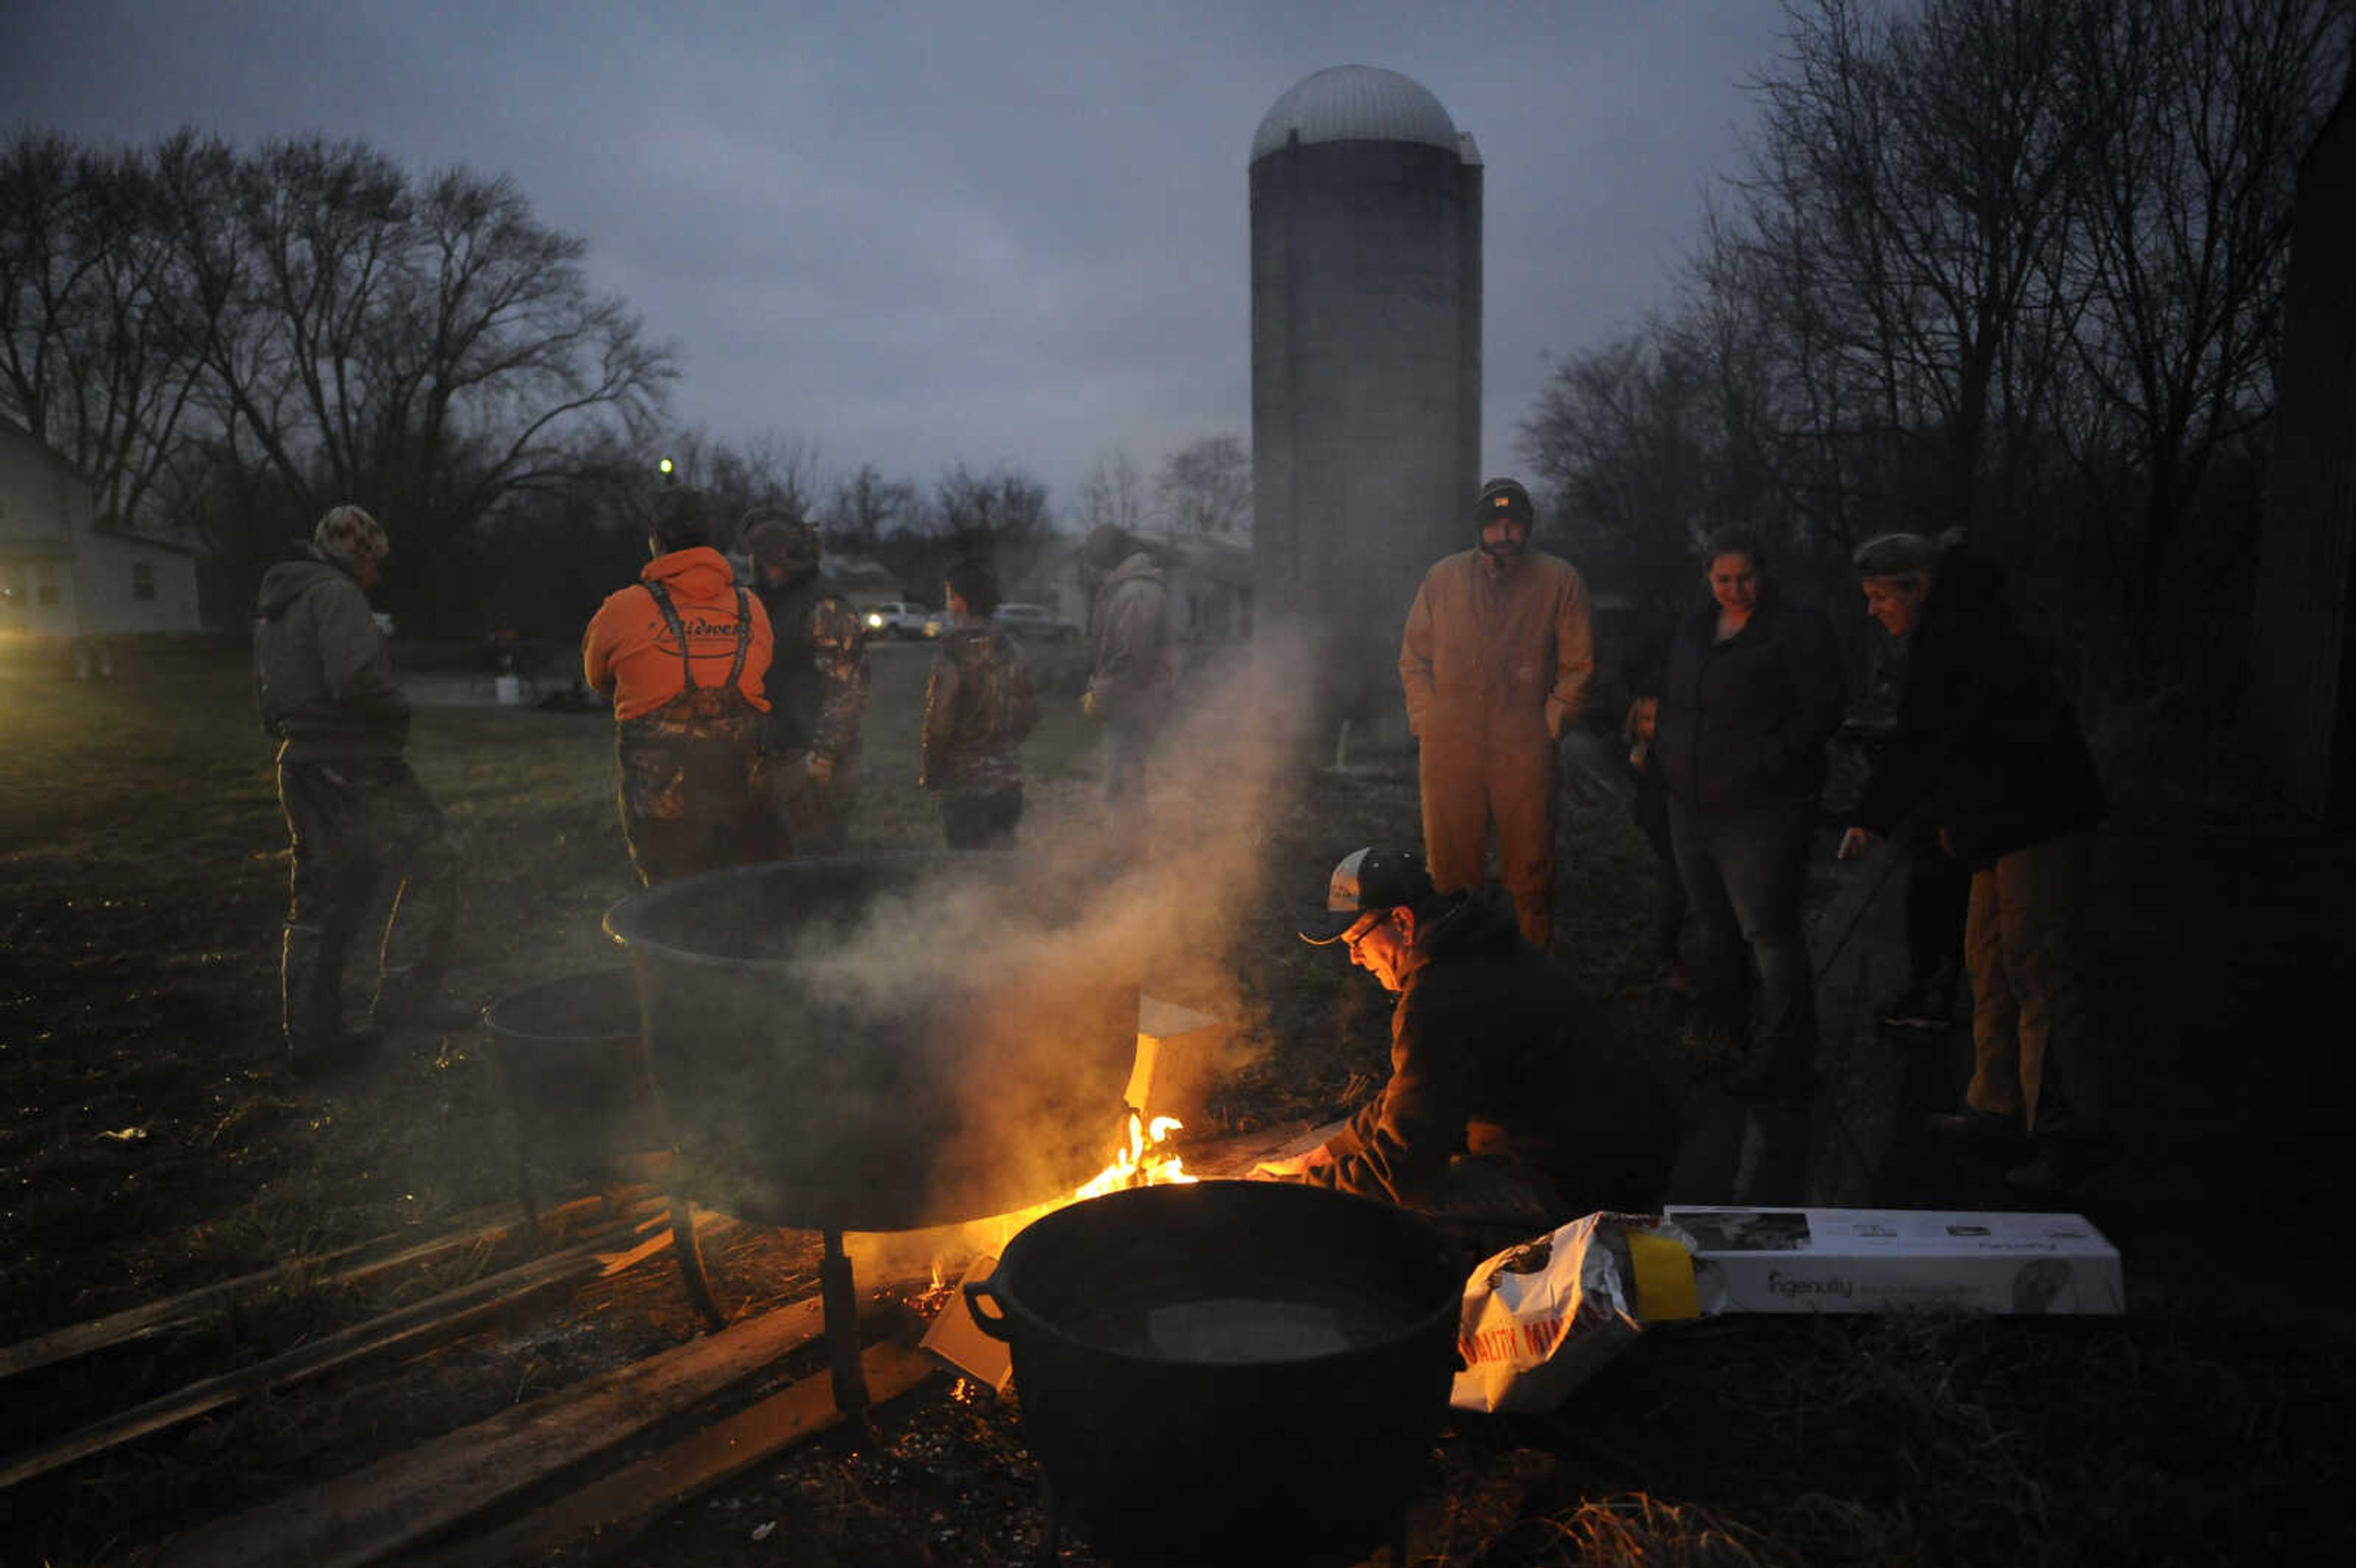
[691,1272]
[840,1297]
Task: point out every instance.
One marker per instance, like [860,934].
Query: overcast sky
[913,234]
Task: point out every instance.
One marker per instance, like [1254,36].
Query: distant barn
[2302,656]
[1365,275]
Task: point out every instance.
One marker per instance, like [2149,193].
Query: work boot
[2057,1167]
[407,1000]
[1973,1126]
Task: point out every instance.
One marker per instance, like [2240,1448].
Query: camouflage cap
[349,535]
[776,539]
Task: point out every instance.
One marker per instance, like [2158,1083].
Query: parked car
[1034,622]
[899,618]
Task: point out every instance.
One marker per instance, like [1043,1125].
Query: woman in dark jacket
[1752,693]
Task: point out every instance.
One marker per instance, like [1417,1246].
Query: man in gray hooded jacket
[1130,689]
[323,686]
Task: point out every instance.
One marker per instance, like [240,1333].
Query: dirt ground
[154,1142]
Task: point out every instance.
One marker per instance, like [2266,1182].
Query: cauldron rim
[1445,1253]
[625,920]
[612,974]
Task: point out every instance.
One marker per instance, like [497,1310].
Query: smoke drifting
[961,1026]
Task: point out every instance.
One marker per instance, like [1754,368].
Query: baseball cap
[1372,881]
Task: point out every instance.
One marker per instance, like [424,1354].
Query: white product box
[1885,1260]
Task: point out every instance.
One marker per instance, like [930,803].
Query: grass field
[152,1142]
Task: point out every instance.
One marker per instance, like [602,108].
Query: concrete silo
[1365,254]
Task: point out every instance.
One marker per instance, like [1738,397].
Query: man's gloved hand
[1089,707]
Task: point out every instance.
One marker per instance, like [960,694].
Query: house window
[142,580]
[45,584]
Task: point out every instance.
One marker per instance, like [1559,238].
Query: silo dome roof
[1355,103]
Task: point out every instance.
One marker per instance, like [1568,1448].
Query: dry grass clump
[1636,1527]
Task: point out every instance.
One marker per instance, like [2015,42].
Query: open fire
[1145,1159]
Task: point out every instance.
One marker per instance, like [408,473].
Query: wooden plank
[385,1508]
[605,1517]
[411,1328]
[344,1265]
[1235,1154]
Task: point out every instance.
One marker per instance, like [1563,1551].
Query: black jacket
[1984,731]
[1744,723]
[1494,1052]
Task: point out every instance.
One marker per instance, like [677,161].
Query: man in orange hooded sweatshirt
[682,656]
[1496,662]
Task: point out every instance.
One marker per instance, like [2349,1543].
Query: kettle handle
[993,1322]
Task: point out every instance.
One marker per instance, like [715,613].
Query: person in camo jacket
[979,705]
[817,687]
[355,812]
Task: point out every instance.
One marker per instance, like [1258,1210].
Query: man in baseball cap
[1506,1101]
[1368,884]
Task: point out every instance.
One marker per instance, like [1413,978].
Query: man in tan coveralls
[1496,662]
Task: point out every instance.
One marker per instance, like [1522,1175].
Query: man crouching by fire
[1507,1103]
[682,654]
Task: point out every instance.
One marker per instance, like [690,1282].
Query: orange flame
[1139,1165]
[1144,1162]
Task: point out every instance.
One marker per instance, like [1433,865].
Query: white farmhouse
[66,580]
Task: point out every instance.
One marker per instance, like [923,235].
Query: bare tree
[432,352]
[1113,494]
[97,349]
[1002,507]
[1911,177]
[1619,439]
[867,508]
[2208,104]
[1205,489]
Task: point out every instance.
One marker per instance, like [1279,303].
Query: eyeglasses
[1350,942]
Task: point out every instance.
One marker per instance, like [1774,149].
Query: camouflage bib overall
[693,785]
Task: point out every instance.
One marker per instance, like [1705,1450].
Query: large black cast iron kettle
[1231,1371]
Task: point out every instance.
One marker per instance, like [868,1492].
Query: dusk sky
[911,234]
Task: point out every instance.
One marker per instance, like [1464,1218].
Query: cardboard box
[1886,1260]
[957,1344]
[1178,1056]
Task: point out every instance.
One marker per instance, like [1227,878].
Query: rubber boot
[310,990]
